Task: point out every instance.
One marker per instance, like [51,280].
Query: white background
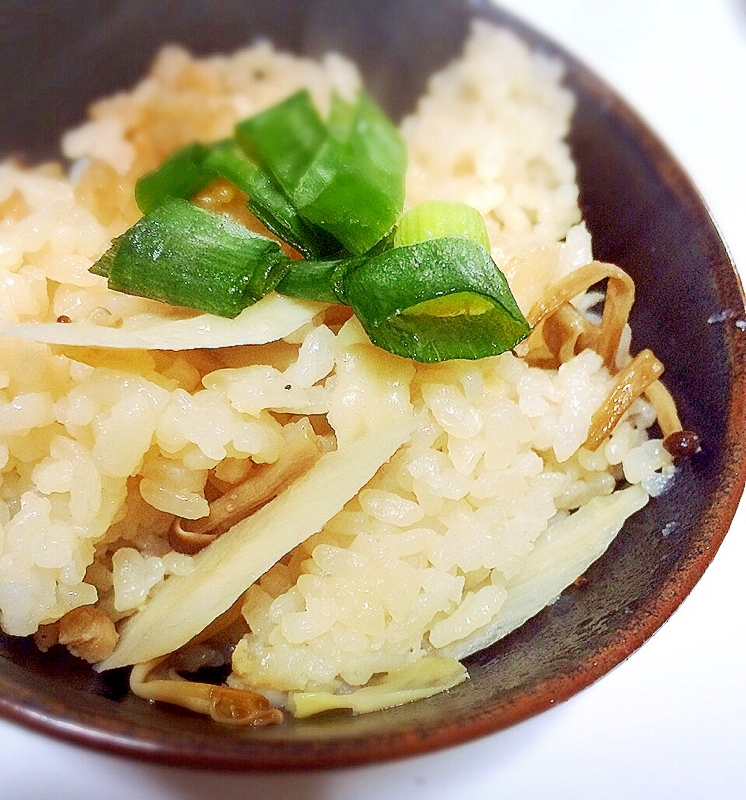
[669,722]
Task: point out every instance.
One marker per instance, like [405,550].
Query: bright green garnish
[400,296]
[436,218]
[181,175]
[426,288]
[186,256]
[346,177]
[461,304]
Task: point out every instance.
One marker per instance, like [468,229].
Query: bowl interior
[644,214]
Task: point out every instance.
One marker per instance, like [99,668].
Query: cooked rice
[101,449]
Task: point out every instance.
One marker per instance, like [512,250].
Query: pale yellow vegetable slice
[431,675]
[273,317]
[189,603]
[573,545]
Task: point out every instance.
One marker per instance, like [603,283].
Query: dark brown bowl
[644,214]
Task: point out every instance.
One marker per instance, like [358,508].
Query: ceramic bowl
[644,214]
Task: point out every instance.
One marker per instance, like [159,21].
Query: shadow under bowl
[644,215]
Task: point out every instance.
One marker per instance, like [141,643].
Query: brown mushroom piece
[47,636]
[560,336]
[302,450]
[620,295]
[683,444]
[159,682]
[223,704]
[631,382]
[665,408]
[88,633]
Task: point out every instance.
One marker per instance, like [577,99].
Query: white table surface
[671,720]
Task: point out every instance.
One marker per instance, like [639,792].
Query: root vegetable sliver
[272,318]
[575,543]
[225,569]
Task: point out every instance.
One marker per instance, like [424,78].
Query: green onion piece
[180,175]
[104,265]
[285,138]
[186,256]
[451,305]
[355,189]
[436,218]
[436,300]
[267,201]
[341,118]
[346,177]
[318,280]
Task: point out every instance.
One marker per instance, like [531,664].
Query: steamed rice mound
[101,450]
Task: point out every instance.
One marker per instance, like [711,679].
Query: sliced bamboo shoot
[575,543]
[272,318]
[431,675]
[189,603]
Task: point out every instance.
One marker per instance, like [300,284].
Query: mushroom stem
[302,450]
[620,294]
[224,704]
[560,336]
[665,408]
[631,382]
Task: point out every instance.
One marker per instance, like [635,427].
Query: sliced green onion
[451,305]
[334,191]
[436,218]
[318,280]
[347,178]
[181,175]
[400,298]
[285,138]
[105,264]
[355,189]
[267,201]
[186,256]
[341,118]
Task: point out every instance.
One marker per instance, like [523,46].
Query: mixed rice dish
[331,524]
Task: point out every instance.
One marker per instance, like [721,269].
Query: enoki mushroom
[223,704]
[620,295]
[560,331]
[302,449]
[158,681]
